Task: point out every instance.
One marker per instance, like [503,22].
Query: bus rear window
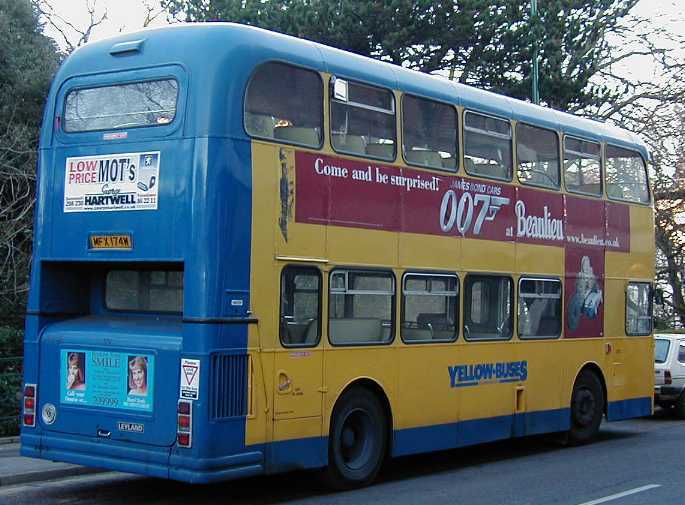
[144,290]
[149,103]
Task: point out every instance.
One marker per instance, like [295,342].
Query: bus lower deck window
[639,308]
[429,308]
[539,308]
[361,307]
[300,306]
[488,311]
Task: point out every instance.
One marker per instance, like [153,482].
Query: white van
[669,372]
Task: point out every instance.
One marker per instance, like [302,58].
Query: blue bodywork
[202,226]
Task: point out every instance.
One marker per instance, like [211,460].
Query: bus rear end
[127,303]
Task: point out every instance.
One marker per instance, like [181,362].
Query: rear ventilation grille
[230,384]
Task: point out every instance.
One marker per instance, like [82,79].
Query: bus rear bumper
[151,461]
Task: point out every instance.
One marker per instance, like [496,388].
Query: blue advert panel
[114,380]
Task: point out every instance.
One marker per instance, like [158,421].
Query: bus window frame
[601,165]
[425,273]
[644,166]
[524,277]
[651,308]
[393,303]
[457,150]
[121,77]
[113,85]
[512,297]
[330,100]
[517,164]
[274,139]
[319,329]
[501,136]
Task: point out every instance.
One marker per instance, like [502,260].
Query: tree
[479,42]
[29,61]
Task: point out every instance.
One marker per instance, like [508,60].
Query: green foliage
[29,60]
[481,42]
[11,373]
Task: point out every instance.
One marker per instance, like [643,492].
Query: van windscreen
[661,346]
[147,103]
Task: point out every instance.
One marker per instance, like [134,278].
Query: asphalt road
[632,462]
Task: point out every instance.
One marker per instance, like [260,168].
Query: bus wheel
[587,407]
[357,440]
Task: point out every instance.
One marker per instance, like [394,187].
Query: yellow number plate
[111,242]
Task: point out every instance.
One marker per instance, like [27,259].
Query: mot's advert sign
[112,182]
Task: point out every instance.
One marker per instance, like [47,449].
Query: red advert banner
[342,192]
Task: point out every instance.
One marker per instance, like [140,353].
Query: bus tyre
[587,407]
[357,440]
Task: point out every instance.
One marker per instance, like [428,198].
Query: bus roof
[228,53]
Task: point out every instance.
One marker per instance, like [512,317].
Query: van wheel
[357,440]
[587,407]
[680,406]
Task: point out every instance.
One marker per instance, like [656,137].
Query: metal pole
[536,92]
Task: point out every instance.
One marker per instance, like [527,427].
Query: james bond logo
[461,213]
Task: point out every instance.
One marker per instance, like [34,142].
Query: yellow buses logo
[487,373]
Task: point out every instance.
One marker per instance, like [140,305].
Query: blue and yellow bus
[255,253]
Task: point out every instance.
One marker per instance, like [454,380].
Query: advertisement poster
[105,379]
[343,192]
[111,182]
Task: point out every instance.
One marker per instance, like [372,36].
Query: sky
[128,16]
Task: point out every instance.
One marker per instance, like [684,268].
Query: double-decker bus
[255,253]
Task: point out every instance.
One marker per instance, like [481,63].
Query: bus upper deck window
[537,150]
[147,103]
[487,146]
[285,103]
[626,175]
[144,291]
[582,168]
[429,133]
[362,120]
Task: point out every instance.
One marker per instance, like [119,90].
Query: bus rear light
[184,423]
[29,402]
[667,377]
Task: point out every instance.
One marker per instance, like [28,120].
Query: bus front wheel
[587,407]
[357,440]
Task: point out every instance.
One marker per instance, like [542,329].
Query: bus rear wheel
[587,407]
[357,440]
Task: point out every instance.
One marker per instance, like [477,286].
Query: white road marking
[621,495]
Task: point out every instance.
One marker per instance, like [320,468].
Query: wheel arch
[593,367]
[379,391]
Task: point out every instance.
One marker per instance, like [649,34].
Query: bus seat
[414,334]
[424,157]
[436,321]
[349,143]
[449,163]
[312,332]
[469,165]
[260,124]
[386,151]
[297,134]
[354,330]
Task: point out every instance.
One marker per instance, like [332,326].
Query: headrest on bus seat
[349,143]
[305,136]
[260,124]
[424,157]
[386,151]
